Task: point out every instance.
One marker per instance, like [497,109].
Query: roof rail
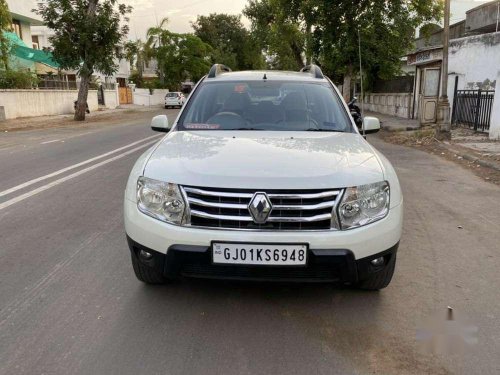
[216,69]
[314,70]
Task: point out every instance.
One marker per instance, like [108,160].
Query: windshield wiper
[324,130]
[243,129]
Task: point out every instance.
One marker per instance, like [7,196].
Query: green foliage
[280,33]
[327,33]
[428,29]
[231,43]
[138,53]
[87,33]
[386,29]
[136,78]
[180,56]
[17,79]
[5,25]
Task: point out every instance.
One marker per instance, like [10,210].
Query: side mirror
[371,125]
[160,123]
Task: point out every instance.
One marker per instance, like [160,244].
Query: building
[40,39]
[149,70]
[474,55]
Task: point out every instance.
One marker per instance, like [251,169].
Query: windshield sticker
[202,126]
[240,88]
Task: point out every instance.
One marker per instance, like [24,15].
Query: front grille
[292,210]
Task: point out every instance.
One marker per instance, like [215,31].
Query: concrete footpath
[393,123]
[103,114]
[464,143]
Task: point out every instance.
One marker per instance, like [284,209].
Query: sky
[148,13]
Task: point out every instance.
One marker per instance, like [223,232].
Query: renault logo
[260,207]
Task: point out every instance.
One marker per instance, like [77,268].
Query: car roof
[258,75]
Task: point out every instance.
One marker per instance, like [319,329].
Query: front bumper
[326,265]
[361,242]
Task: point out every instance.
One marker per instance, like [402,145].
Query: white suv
[174,99]
[264,176]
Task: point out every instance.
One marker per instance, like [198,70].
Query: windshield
[281,106]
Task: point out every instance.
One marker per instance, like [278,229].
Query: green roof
[21,50]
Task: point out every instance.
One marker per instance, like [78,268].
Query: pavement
[66,120]
[70,303]
[464,143]
[393,123]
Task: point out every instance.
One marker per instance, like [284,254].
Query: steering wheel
[228,120]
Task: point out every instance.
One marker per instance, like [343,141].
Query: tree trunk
[346,87]
[85,73]
[83,92]
[297,54]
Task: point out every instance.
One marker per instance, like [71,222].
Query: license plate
[259,254]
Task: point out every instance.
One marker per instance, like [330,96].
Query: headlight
[363,205]
[160,200]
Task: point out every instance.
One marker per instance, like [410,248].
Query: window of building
[16,28]
[36,42]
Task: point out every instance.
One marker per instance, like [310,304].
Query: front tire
[381,279]
[148,275]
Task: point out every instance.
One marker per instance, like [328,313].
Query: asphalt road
[70,304]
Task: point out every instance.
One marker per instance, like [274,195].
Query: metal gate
[472,108]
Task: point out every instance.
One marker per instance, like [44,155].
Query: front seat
[295,108]
[238,103]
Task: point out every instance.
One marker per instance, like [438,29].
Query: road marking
[24,196]
[47,142]
[56,173]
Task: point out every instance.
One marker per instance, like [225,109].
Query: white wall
[43,33]
[111,98]
[29,103]
[395,104]
[26,33]
[495,113]
[142,97]
[475,60]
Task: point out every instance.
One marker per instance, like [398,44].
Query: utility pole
[443,124]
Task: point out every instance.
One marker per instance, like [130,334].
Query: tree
[386,30]
[180,56]
[232,44]
[87,34]
[279,32]
[327,33]
[5,25]
[138,54]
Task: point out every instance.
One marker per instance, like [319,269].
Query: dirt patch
[425,140]
[50,122]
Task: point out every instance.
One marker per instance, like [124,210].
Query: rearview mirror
[371,125]
[160,123]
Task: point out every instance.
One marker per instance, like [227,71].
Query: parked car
[174,99]
[264,176]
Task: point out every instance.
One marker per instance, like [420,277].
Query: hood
[264,160]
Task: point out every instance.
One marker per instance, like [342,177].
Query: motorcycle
[356,113]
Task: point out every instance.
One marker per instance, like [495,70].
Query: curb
[473,158]
[399,128]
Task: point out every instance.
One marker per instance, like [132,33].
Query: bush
[17,79]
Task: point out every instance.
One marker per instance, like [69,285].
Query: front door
[429,94]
